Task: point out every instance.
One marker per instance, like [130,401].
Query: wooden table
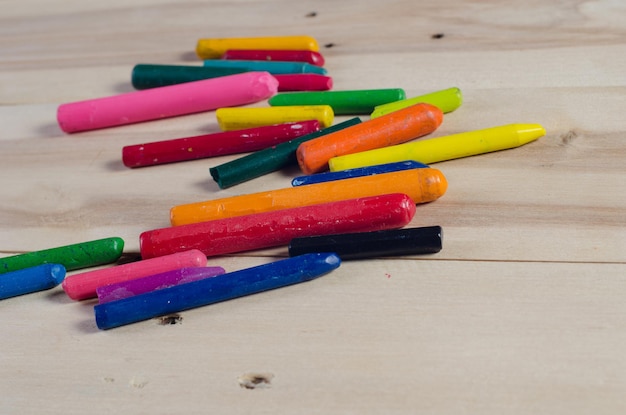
[522,311]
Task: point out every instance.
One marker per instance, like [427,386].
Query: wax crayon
[363,171]
[217,144]
[275,228]
[393,242]
[275,68]
[209,48]
[72,257]
[393,128]
[309,56]
[445,148]
[82,286]
[213,290]
[146,76]
[421,185]
[266,161]
[30,280]
[167,101]
[154,282]
[360,101]
[447,100]
[237,118]
[303,82]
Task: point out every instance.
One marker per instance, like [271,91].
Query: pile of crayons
[358,209]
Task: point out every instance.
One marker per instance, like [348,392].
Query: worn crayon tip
[434,185]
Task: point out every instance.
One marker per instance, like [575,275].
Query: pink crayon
[279,227]
[82,286]
[217,144]
[303,82]
[155,282]
[167,101]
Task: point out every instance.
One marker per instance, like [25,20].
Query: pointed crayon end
[529,132]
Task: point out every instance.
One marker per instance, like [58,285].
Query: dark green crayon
[145,76]
[76,256]
[361,101]
[266,161]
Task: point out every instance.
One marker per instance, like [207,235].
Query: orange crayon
[421,185]
[394,128]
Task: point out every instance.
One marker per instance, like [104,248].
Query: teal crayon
[145,76]
[273,67]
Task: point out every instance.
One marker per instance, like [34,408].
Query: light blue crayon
[357,172]
[273,67]
[30,280]
[212,290]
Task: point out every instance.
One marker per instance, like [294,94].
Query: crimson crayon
[274,228]
[303,82]
[217,144]
[213,290]
[309,56]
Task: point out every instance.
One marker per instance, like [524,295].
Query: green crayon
[266,161]
[76,256]
[342,102]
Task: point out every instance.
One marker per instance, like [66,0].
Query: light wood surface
[522,311]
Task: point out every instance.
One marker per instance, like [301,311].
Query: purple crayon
[125,289]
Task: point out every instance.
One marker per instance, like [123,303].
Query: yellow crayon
[447,100]
[444,148]
[240,118]
[215,48]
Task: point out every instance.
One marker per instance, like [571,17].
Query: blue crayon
[273,67]
[357,172]
[30,280]
[212,290]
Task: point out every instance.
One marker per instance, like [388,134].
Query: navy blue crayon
[357,172]
[212,290]
[273,67]
[30,280]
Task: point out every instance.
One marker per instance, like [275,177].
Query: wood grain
[521,312]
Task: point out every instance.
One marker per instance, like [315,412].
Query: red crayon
[279,227]
[303,82]
[314,58]
[217,144]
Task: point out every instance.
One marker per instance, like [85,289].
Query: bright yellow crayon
[444,148]
[240,118]
[447,100]
[215,48]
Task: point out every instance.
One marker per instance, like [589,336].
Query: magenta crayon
[278,227]
[167,101]
[159,281]
[217,144]
[303,82]
[309,56]
[82,286]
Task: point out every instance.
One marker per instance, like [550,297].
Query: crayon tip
[529,132]
[57,274]
[434,184]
